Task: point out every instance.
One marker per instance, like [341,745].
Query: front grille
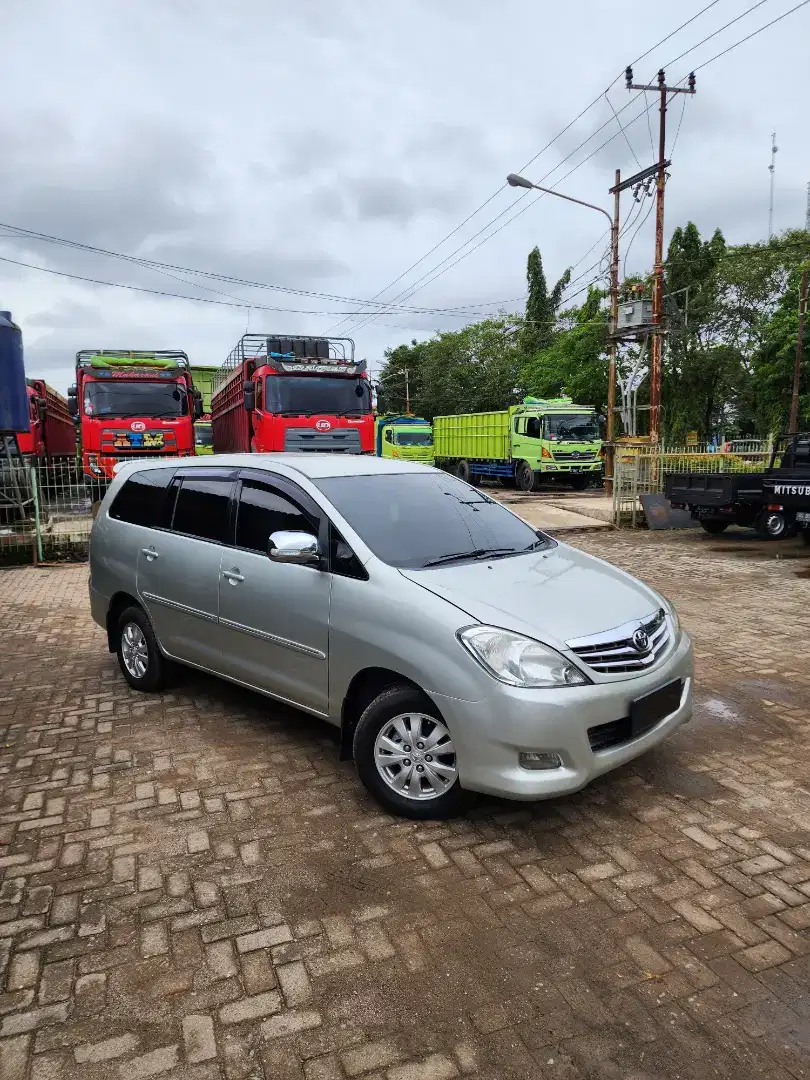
[624,648]
[574,455]
[305,440]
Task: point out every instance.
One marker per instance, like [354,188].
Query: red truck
[291,393]
[52,433]
[132,404]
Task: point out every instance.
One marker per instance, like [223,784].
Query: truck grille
[634,646]
[575,455]
[305,440]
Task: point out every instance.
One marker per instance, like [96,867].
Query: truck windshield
[317,394]
[203,436]
[582,427]
[117,397]
[414,438]
[414,520]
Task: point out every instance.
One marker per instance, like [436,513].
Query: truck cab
[555,436]
[406,437]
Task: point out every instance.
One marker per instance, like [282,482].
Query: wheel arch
[365,686]
[119,602]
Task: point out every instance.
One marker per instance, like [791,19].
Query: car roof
[312,465]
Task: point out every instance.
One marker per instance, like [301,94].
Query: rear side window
[262,511]
[144,499]
[202,509]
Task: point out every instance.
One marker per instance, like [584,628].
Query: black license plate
[647,711]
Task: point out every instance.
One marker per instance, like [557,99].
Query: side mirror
[198,405]
[73,401]
[249,400]
[300,548]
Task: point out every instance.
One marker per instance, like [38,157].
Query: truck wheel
[405,755]
[525,477]
[462,471]
[714,527]
[578,483]
[772,525]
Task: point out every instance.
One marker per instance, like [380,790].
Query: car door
[179,569]
[274,617]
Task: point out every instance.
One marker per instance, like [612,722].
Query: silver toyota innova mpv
[455,646]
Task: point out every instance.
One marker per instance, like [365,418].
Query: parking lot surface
[192,885]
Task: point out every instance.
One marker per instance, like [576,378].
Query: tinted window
[264,510]
[144,500]
[202,509]
[411,519]
[317,394]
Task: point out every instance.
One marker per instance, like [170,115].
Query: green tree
[774,364]
[576,361]
[541,305]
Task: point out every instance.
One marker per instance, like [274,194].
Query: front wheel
[139,656]
[405,756]
[525,477]
[714,528]
[578,483]
[772,525]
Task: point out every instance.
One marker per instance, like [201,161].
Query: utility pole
[794,401]
[772,171]
[614,320]
[658,268]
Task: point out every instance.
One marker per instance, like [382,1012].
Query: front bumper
[490,734]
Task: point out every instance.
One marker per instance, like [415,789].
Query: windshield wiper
[476,553]
[295,412]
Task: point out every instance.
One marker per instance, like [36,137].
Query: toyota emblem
[641,641]
[323,425]
[137,425]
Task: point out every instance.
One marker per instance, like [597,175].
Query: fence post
[38,553]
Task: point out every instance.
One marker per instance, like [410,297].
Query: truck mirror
[73,401]
[249,401]
[198,404]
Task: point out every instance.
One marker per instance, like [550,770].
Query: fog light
[540,761]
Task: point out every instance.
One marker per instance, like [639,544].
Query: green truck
[204,382]
[406,437]
[523,444]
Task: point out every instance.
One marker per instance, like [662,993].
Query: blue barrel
[14,415]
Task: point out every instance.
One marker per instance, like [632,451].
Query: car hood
[553,595]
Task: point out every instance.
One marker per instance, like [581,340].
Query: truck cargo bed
[713,489]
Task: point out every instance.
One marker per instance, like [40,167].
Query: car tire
[384,726]
[772,525]
[714,528]
[139,655]
[525,477]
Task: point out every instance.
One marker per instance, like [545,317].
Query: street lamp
[513,180]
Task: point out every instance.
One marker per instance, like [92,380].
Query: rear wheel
[525,477]
[772,525]
[714,527]
[405,755]
[462,470]
[139,656]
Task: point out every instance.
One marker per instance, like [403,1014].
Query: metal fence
[640,470]
[46,511]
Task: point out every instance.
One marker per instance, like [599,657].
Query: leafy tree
[774,363]
[541,305]
[576,361]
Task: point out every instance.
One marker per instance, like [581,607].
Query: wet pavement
[193,886]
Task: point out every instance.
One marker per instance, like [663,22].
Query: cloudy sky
[325,146]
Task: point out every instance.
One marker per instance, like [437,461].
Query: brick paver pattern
[192,884]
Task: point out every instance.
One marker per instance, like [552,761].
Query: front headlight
[673,614]
[518,660]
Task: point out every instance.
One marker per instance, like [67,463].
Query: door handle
[233,576]
[150,553]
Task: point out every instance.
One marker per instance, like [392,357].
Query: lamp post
[520,181]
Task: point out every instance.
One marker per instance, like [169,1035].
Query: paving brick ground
[193,886]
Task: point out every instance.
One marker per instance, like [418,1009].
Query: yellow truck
[406,437]
[523,444]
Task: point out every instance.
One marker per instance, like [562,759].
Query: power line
[531,160]
[421,283]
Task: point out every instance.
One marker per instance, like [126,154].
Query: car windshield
[117,397]
[414,438]
[582,427]
[203,436]
[414,520]
[316,394]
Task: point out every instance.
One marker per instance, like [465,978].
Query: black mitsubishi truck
[775,502]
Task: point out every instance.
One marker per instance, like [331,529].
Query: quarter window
[144,499]
[202,509]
